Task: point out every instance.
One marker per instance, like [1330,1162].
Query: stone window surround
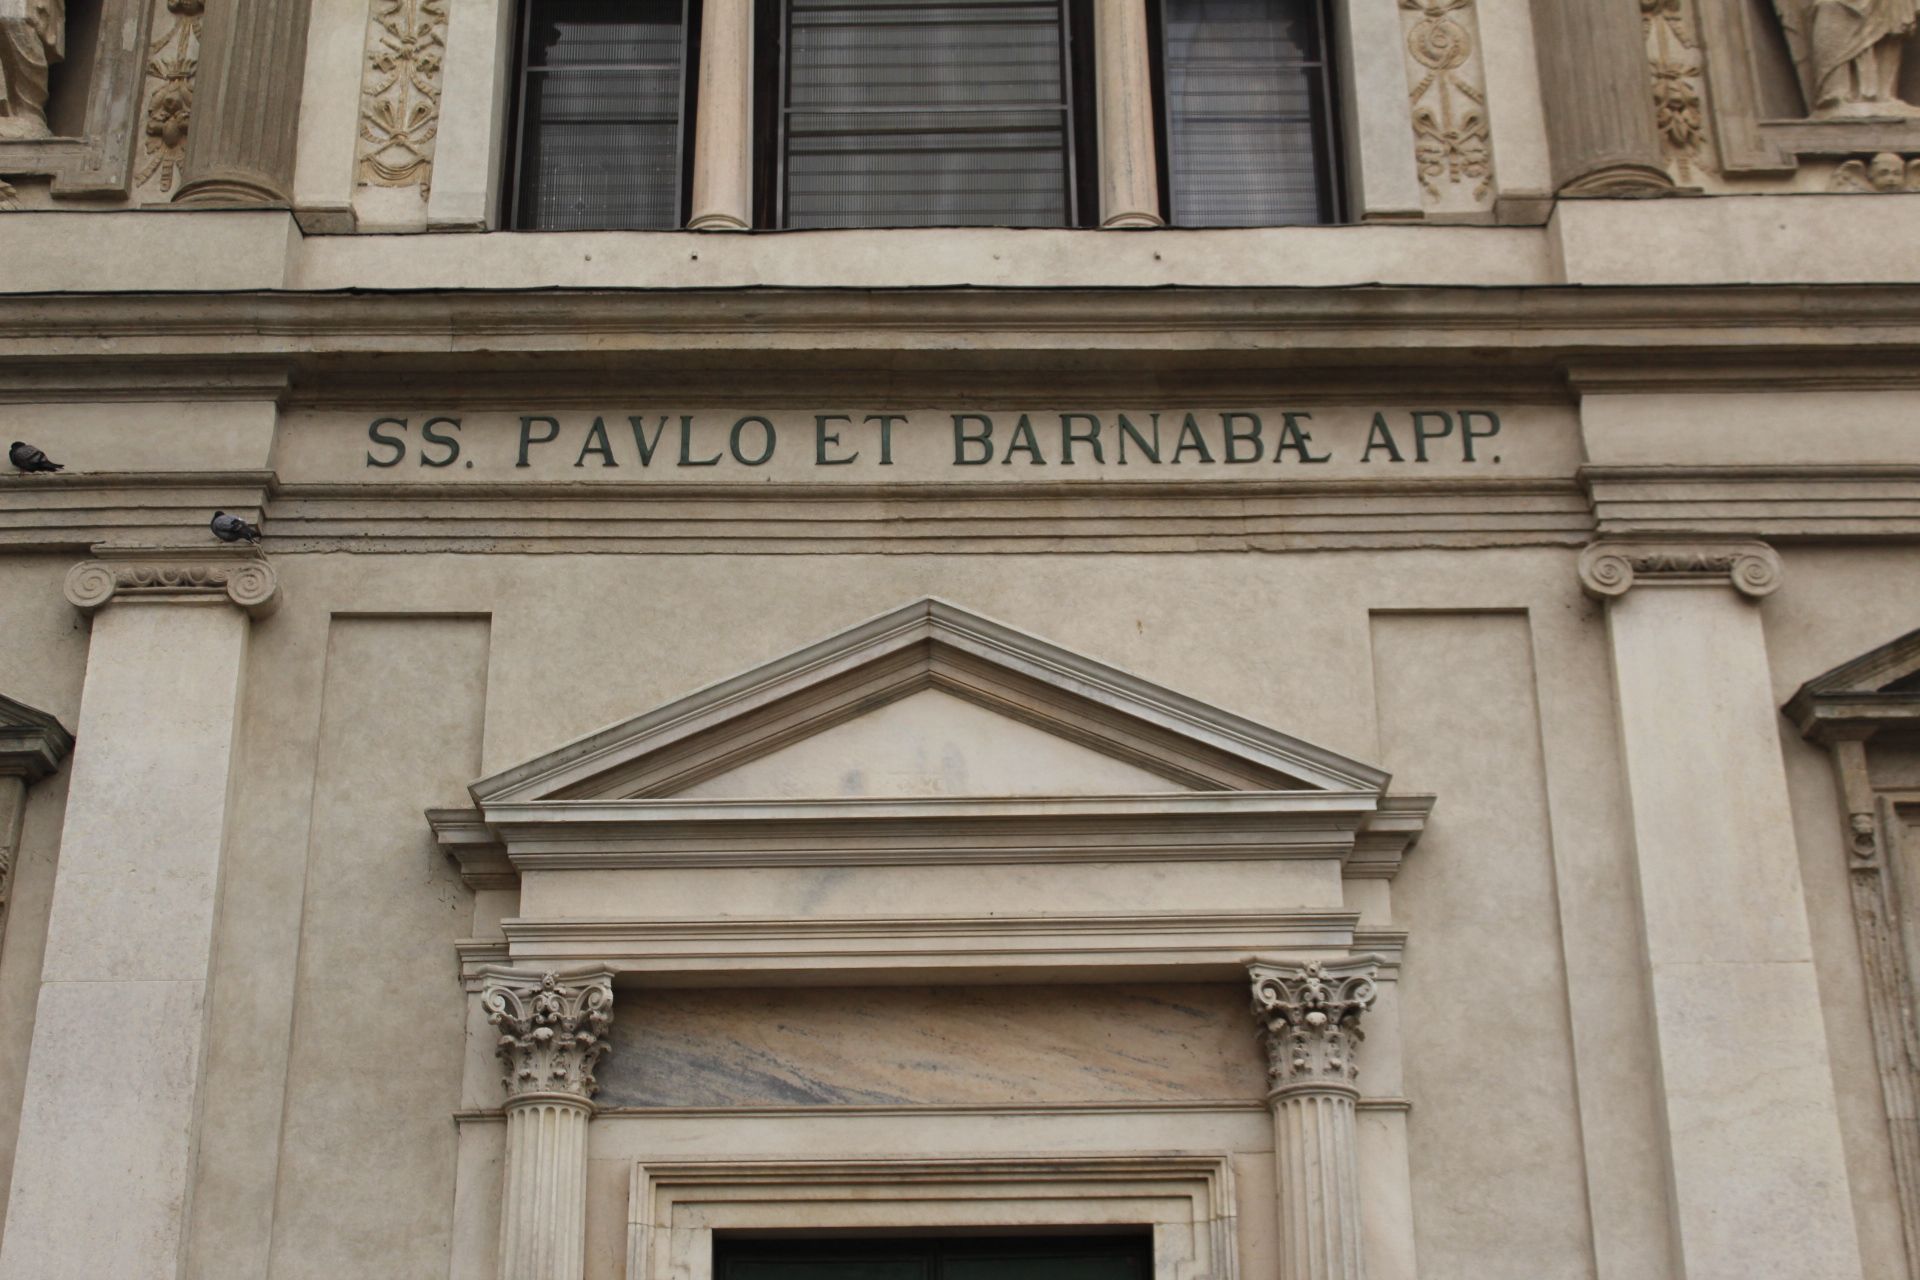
[1377,123]
[99,163]
[1751,145]
[674,1208]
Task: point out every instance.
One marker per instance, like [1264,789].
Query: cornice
[240,576]
[1608,570]
[1241,326]
[32,743]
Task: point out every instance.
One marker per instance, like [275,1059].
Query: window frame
[772,111]
[513,186]
[1330,160]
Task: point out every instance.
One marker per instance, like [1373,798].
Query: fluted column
[246,103]
[553,1032]
[1129,172]
[1751,1124]
[1599,98]
[723,127]
[1309,1019]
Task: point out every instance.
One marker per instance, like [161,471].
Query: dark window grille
[915,113]
[1249,135]
[601,111]
[1055,1257]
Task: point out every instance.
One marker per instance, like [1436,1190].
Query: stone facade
[1386,750]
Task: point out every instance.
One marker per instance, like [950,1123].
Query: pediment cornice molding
[927,644]
[1860,698]
[32,743]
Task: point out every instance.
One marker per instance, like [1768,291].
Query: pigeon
[233,529]
[27,458]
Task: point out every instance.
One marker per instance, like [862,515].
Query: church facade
[1100,639]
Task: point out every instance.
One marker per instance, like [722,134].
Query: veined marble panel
[934,1046]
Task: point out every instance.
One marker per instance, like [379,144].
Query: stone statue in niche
[33,36]
[1849,52]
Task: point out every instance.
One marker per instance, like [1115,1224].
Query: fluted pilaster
[1309,1018]
[246,103]
[1599,98]
[553,1033]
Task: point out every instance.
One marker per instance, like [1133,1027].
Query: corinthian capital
[553,1029]
[1611,569]
[240,575]
[1309,1017]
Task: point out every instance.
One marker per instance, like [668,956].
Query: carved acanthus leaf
[173,58]
[553,1030]
[1309,1017]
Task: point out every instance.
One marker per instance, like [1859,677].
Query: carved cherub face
[1887,172]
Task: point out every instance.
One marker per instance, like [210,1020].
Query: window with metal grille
[904,113]
[602,112]
[1249,136]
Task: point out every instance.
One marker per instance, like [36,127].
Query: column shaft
[103,1167]
[543,1218]
[1319,1187]
[246,105]
[1598,98]
[1758,1176]
[723,127]
[1129,171]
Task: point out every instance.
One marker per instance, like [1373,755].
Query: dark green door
[971,1258]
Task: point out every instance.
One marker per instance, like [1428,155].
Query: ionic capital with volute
[553,1030]
[1608,570]
[1309,1017]
[240,576]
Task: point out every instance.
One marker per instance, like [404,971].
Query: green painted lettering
[1380,437]
[392,442]
[1234,439]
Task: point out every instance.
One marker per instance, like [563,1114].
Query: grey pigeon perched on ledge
[27,458]
[232,528]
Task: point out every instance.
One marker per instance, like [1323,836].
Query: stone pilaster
[1745,1080]
[1309,1017]
[1598,98]
[553,1033]
[119,1027]
[246,103]
[1129,172]
[723,127]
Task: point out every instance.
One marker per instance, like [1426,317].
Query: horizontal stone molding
[1827,502]
[1188,1200]
[168,575]
[1185,945]
[1608,570]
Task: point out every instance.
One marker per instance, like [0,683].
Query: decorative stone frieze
[1609,570]
[1674,60]
[1310,1020]
[172,574]
[1882,173]
[553,1031]
[1309,1016]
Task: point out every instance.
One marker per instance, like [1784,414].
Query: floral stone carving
[1674,60]
[1452,142]
[172,60]
[553,1031]
[1309,1017]
[400,93]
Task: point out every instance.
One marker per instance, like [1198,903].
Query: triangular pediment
[1877,690]
[927,700]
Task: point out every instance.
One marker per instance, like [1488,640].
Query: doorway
[1063,1257]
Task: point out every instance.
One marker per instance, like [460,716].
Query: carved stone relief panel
[173,56]
[400,94]
[1447,91]
[1885,172]
[1675,58]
